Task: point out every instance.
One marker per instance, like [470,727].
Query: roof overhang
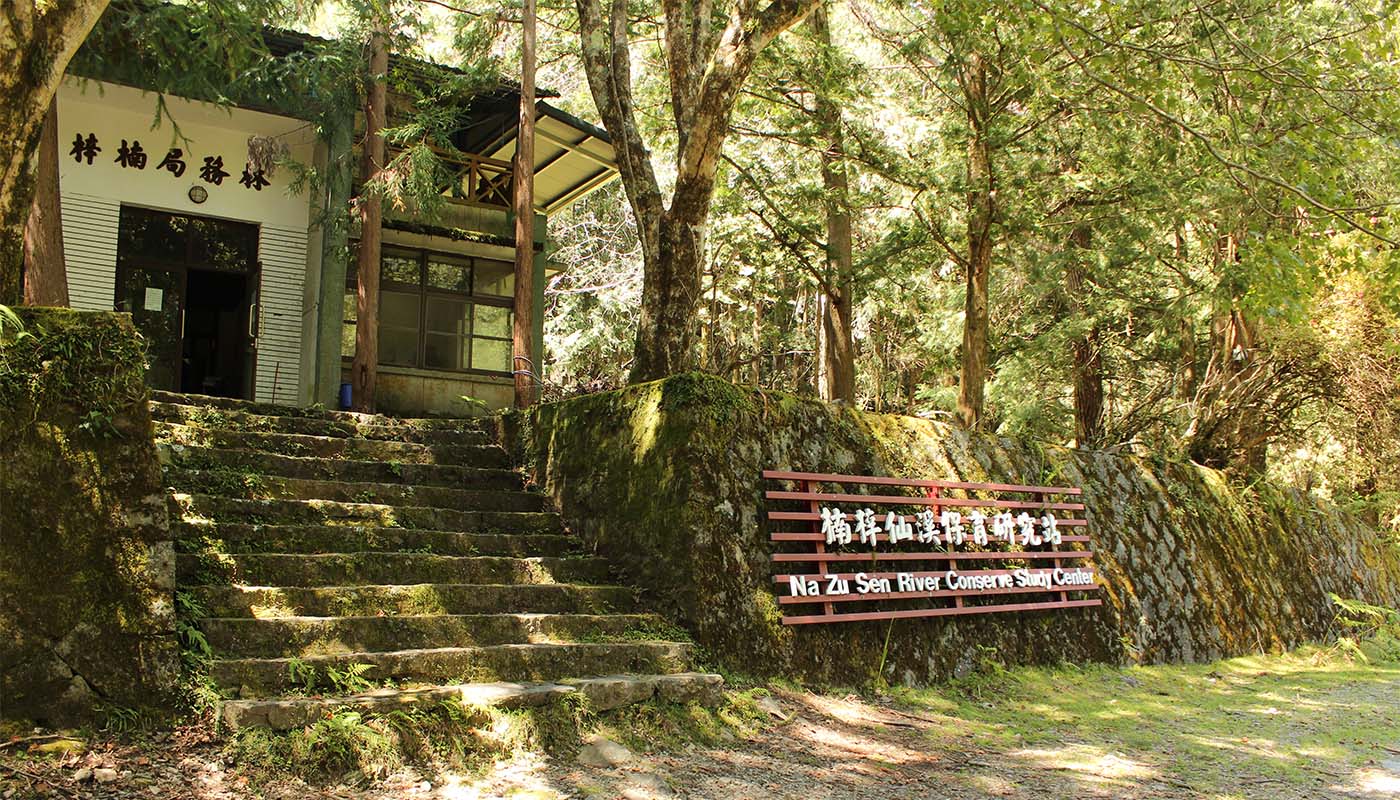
[573,159]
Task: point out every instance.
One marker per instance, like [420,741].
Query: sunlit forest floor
[1309,724]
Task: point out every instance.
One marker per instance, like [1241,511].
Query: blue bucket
[345,397]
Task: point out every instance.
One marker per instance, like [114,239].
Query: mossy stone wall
[664,479]
[87,567]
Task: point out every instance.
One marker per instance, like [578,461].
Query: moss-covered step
[255,462]
[424,598]
[278,410]
[367,427]
[297,444]
[221,482]
[234,537]
[604,693]
[265,677]
[314,636]
[206,507]
[348,569]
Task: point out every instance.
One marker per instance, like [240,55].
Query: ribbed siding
[90,250]
[283,255]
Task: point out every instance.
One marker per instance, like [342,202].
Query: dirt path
[1275,728]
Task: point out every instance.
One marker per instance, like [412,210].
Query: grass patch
[1304,716]
[658,726]
[448,737]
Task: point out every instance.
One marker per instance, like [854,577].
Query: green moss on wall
[664,479]
[86,562]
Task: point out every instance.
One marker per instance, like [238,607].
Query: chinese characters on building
[131,155]
[949,527]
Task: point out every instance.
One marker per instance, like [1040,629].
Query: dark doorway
[190,284]
[216,331]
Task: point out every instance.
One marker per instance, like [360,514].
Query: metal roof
[572,157]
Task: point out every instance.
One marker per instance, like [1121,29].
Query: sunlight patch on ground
[1092,764]
[1384,783]
[1249,746]
[520,777]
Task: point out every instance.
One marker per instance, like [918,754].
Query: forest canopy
[1170,227]
[1163,227]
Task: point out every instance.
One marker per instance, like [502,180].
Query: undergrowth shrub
[1369,630]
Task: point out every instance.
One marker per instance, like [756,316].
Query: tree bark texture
[1086,353]
[364,371]
[45,271]
[981,215]
[37,40]
[523,365]
[706,68]
[837,351]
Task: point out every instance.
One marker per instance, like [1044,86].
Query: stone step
[364,426]
[266,677]
[267,602]
[604,694]
[297,444]
[279,410]
[206,507]
[192,457]
[308,636]
[348,569]
[246,538]
[253,486]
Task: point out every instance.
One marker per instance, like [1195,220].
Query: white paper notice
[154,299]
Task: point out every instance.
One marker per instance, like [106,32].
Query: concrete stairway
[321,543]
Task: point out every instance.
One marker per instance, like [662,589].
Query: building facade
[227,264]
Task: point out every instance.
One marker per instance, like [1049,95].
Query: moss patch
[86,562]
[664,480]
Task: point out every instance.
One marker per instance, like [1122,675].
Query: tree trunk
[524,365]
[1188,378]
[981,212]
[1086,354]
[838,352]
[364,370]
[45,272]
[706,71]
[36,43]
[666,326]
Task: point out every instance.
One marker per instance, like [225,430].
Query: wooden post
[524,364]
[364,372]
[816,508]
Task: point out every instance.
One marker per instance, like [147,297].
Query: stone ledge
[603,693]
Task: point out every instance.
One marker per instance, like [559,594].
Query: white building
[240,286]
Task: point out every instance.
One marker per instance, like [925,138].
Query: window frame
[424,292]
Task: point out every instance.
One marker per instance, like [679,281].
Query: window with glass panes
[439,311]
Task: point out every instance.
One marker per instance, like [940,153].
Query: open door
[154,296]
[191,284]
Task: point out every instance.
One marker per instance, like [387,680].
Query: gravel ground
[820,747]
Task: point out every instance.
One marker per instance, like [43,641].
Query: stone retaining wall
[87,567]
[664,479]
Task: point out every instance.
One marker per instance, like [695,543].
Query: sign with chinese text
[947,548]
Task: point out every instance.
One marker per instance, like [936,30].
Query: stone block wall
[87,566]
[664,479]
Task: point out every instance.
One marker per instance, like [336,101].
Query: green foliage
[349,680]
[1167,200]
[341,742]
[197,692]
[123,720]
[72,364]
[192,639]
[1376,627]
[11,326]
[301,675]
[649,727]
